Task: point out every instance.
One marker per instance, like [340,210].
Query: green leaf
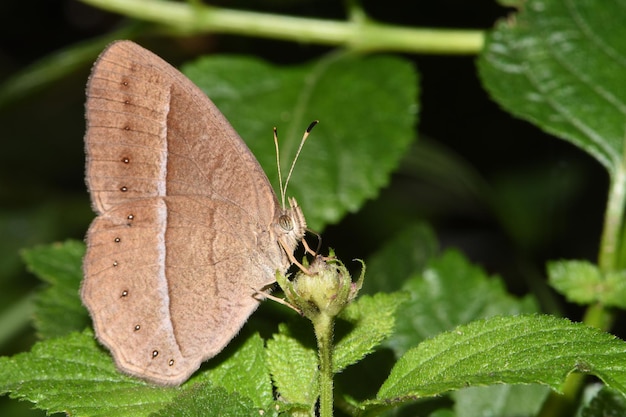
[59,309]
[244,371]
[449,292]
[560,65]
[510,350]
[373,319]
[606,403]
[577,280]
[582,282]
[499,400]
[55,371]
[293,366]
[367,110]
[205,400]
[405,255]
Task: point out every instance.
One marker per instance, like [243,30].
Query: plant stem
[323,325]
[609,259]
[360,34]
[596,315]
[613,220]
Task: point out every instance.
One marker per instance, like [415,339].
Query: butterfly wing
[183,236]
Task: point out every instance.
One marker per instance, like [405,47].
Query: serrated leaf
[373,318]
[55,370]
[399,259]
[59,309]
[606,403]
[205,400]
[560,65]
[358,100]
[293,367]
[510,350]
[244,372]
[449,292]
[582,282]
[577,280]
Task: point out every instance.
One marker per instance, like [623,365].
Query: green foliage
[513,350]
[293,365]
[583,283]
[244,372]
[59,310]
[372,320]
[559,64]
[205,400]
[55,370]
[490,351]
[450,291]
[446,328]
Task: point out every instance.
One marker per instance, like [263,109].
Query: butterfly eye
[285,223]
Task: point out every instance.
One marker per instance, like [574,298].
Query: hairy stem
[360,34]
[323,325]
[596,315]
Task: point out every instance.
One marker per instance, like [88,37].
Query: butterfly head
[290,226]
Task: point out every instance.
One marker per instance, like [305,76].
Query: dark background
[546,197]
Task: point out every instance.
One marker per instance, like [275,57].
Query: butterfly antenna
[280,178]
[293,164]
